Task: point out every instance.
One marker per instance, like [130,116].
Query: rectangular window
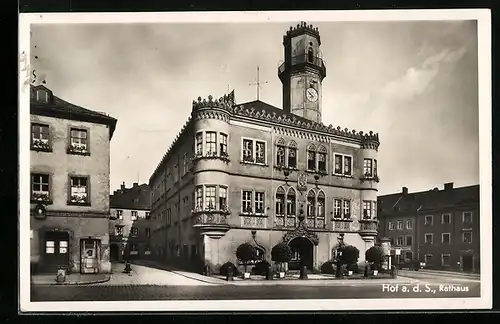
[338,164]
[223,144]
[391,226]
[399,241]
[467,218]
[119,214]
[78,140]
[210,197]
[409,224]
[368,168]
[79,190]
[428,220]
[428,238]
[134,214]
[148,232]
[375,167]
[247,202]
[134,231]
[337,208]
[185,164]
[42,96]
[199,198]
[446,219]
[369,208]
[322,162]
[248,150]
[347,165]
[260,154]
[222,198]
[428,259]
[63,247]
[49,247]
[400,225]
[346,208]
[211,143]
[40,187]
[467,237]
[148,216]
[118,230]
[259,202]
[199,143]
[409,240]
[445,259]
[40,136]
[446,238]
[292,157]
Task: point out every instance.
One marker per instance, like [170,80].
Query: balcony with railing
[303,59]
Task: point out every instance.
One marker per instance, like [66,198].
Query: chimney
[448,186]
[405,190]
[122,186]
[136,184]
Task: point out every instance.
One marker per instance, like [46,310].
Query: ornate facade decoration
[301,231]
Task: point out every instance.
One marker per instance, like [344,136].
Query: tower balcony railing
[304,59]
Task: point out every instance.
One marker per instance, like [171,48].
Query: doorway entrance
[302,252]
[90,255]
[114,252]
[467,263]
[56,252]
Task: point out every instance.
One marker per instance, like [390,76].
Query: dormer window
[42,96]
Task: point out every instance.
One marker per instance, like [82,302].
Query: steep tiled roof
[400,203]
[59,108]
[137,197]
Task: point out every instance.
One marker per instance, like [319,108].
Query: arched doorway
[114,253]
[302,252]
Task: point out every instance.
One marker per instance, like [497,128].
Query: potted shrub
[349,257]
[329,267]
[280,254]
[261,268]
[245,253]
[376,256]
[223,271]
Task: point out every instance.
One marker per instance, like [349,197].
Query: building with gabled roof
[252,172]
[130,222]
[70,164]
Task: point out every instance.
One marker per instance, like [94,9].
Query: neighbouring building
[130,223]
[252,172]
[70,159]
[444,230]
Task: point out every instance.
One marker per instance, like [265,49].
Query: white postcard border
[483,17]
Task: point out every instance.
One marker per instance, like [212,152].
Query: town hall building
[252,172]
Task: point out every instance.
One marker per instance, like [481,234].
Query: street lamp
[340,239]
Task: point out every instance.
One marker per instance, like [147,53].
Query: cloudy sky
[415,83]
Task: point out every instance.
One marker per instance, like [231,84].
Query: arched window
[280,201]
[311,203]
[310,55]
[280,152]
[290,202]
[311,157]
[322,159]
[292,154]
[321,204]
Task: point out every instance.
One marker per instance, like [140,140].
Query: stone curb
[198,279]
[447,273]
[83,283]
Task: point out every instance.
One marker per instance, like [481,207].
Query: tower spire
[258,84]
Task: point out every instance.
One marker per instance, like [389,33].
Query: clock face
[312,94]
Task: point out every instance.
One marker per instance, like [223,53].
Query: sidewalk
[71,279]
[446,273]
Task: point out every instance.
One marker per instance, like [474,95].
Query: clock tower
[302,72]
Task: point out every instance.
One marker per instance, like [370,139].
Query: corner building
[69,194]
[252,172]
